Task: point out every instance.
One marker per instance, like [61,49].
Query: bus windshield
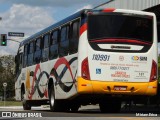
[118,25]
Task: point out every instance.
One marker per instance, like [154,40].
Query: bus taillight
[153,71]
[85,69]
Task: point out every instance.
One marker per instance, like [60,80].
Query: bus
[91,57]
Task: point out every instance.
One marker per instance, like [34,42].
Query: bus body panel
[67,86]
[18,89]
[120,67]
[123,88]
[64,80]
[118,72]
[35,79]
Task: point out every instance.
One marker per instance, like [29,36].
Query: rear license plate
[120,88]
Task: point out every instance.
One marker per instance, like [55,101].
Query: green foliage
[11,103]
[7,75]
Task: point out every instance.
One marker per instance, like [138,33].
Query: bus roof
[74,16]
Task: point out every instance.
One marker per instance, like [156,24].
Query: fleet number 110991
[100,57]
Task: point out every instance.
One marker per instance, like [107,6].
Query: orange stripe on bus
[83,28]
[108,10]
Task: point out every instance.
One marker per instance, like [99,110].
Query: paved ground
[87,112]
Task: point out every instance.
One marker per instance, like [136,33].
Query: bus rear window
[125,26]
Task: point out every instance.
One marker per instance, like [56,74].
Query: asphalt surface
[138,112]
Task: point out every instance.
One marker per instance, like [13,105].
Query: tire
[57,105]
[53,102]
[25,103]
[110,106]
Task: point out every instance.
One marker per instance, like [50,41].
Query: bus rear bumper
[124,88]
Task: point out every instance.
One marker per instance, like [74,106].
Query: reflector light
[153,75]
[85,69]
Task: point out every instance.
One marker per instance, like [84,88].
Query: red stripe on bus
[45,93]
[83,28]
[65,62]
[121,40]
[108,10]
[33,81]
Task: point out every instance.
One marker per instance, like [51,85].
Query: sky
[31,16]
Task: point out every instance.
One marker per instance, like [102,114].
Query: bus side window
[30,54]
[25,56]
[45,48]
[53,51]
[37,53]
[73,43]
[18,61]
[64,41]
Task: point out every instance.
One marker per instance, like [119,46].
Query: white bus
[92,57]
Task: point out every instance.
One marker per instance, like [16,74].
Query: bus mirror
[31,73]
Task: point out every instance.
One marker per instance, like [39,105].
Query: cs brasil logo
[135,58]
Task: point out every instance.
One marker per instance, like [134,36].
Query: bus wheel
[26,105]
[111,106]
[53,102]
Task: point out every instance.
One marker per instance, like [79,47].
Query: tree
[7,74]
